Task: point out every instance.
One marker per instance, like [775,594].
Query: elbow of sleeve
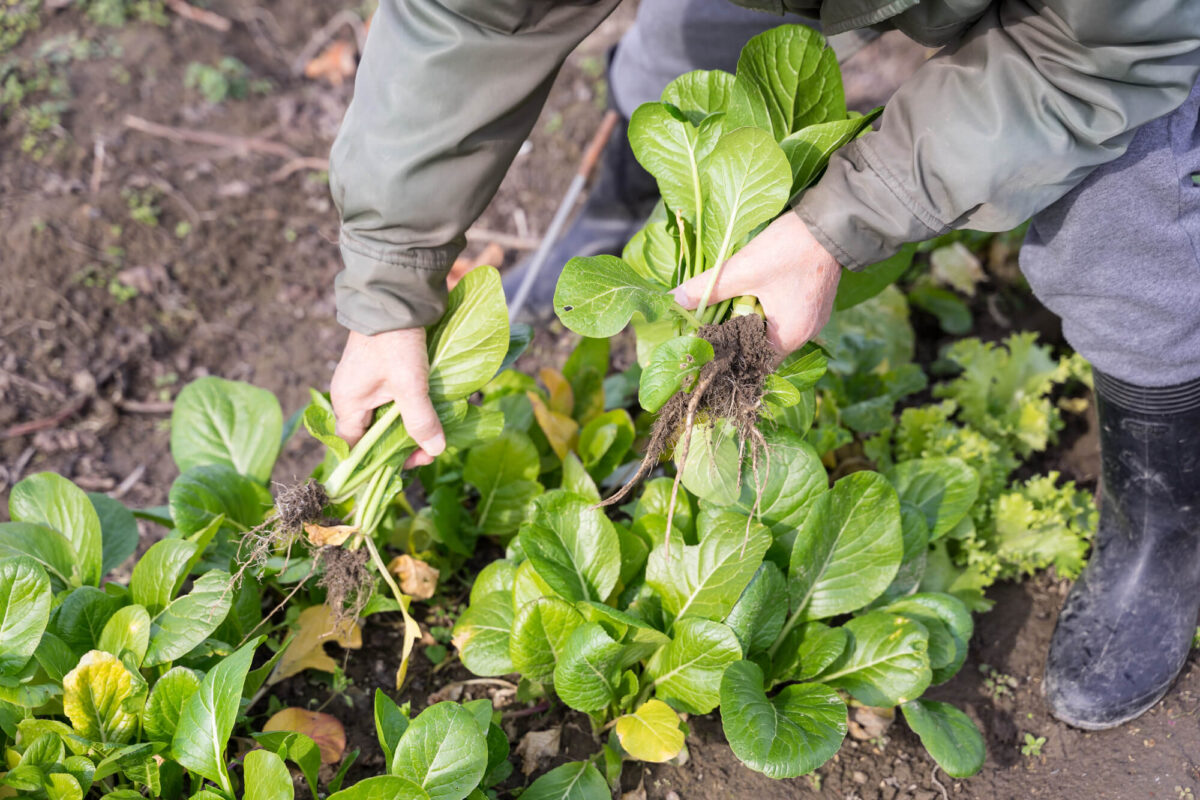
[380,291]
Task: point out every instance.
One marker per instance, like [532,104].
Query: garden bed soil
[103,318]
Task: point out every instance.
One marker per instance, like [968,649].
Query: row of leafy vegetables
[839,565]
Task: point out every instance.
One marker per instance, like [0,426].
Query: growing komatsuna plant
[729,152]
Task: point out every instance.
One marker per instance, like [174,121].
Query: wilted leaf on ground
[334,64]
[536,747]
[324,729]
[315,627]
[328,536]
[418,580]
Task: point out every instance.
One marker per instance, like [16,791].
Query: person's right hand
[387,367]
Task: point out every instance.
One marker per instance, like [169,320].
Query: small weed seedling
[1033,746]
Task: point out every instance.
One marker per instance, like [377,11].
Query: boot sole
[1088,725]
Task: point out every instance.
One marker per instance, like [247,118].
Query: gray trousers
[1118,258]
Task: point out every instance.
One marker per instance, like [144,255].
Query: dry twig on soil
[203,16]
[249,144]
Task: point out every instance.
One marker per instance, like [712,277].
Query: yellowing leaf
[333,536]
[417,579]
[562,397]
[98,698]
[651,733]
[560,430]
[307,650]
[335,63]
[324,729]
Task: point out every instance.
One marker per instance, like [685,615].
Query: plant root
[347,581]
[730,386]
[300,503]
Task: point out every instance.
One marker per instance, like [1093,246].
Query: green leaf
[598,295]
[320,422]
[804,367]
[586,673]
[671,149]
[25,599]
[82,616]
[163,708]
[54,656]
[787,735]
[950,627]
[520,336]
[605,441]
[757,618]
[46,546]
[504,471]
[128,629]
[208,715]
[495,577]
[942,489]
[97,695]
[201,494]
[539,636]
[390,724]
[675,364]
[706,580]
[573,546]
[699,93]
[714,464]
[443,751]
[886,663]
[948,734]
[297,748]
[267,777]
[468,345]
[653,252]
[656,499]
[687,670]
[382,787]
[953,314]
[54,501]
[859,286]
[188,620]
[576,480]
[158,574]
[118,531]
[60,786]
[807,651]
[745,181]
[576,780]
[787,79]
[482,635]
[783,492]
[217,421]
[651,733]
[848,549]
[528,585]
[808,149]
[499,767]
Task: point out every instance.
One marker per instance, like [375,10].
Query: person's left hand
[790,273]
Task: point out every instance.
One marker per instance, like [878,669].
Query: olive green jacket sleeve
[1032,98]
[446,93]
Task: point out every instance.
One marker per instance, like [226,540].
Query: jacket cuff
[382,290]
[860,212]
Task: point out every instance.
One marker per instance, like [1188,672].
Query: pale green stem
[336,484]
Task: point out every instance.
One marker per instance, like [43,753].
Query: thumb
[730,283]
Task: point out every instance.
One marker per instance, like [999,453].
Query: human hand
[386,367]
[790,273]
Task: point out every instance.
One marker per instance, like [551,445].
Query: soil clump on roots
[347,582]
[730,386]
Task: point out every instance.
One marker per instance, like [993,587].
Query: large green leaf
[539,635]
[573,546]
[674,365]
[671,149]
[126,630]
[467,347]
[267,777]
[706,580]
[159,572]
[206,721]
[699,93]
[495,577]
[218,421]
[49,548]
[783,491]
[54,501]
[201,494]
[598,295]
[576,780]
[787,79]
[745,181]
[504,471]
[82,615]
[482,634]
[163,708]
[653,253]
[787,735]
[948,734]
[942,489]
[24,611]
[118,531]
[808,149]
[950,627]
[585,676]
[687,670]
[189,620]
[807,651]
[97,697]
[443,751]
[886,662]
[848,549]
[757,618]
[382,787]
[714,464]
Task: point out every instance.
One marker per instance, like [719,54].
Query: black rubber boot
[621,198]
[1127,626]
